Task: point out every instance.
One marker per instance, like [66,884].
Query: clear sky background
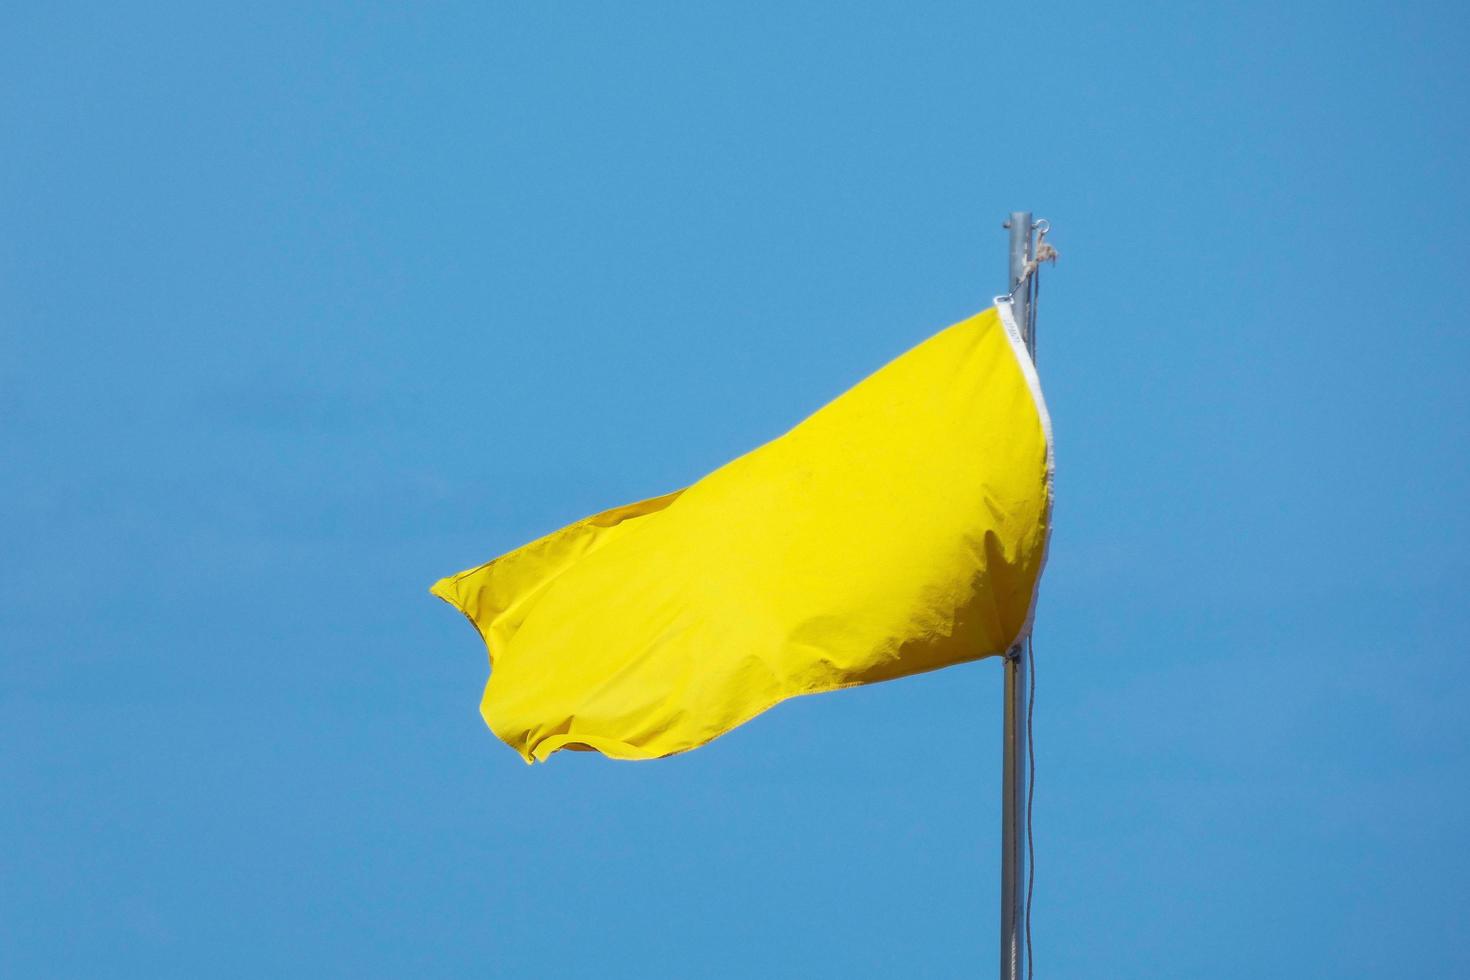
[304,306]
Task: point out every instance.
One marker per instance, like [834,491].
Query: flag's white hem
[1033,381]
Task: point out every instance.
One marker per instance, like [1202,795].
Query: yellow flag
[900,528]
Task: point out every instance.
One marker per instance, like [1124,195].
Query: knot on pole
[1044,253]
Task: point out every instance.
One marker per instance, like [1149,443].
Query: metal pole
[1021,228]
[1013,770]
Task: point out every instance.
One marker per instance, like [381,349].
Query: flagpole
[1013,771]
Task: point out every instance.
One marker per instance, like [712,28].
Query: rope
[1044,253]
[1031,282]
[1030,797]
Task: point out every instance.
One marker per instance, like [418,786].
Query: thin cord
[1030,280]
[1043,252]
[1016,656]
[1030,797]
[1035,287]
[1035,283]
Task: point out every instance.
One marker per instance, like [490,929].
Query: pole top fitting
[1021,218]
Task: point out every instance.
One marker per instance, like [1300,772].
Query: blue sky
[305,307]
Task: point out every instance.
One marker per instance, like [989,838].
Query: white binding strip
[1033,381]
